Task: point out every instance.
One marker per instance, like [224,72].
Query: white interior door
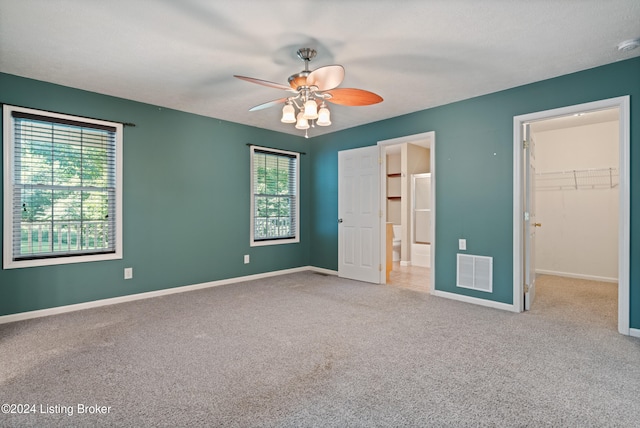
[359,214]
[529,218]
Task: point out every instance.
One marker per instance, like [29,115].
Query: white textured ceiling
[416,54]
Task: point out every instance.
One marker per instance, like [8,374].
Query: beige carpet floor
[308,350]
[592,303]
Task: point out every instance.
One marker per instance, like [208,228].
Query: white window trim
[8,151]
[262,243]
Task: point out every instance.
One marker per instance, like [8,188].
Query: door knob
[537,224]
[339,220]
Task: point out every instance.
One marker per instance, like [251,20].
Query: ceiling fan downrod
[298,81]
[306,54]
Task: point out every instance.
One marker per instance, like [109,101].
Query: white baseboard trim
[475,301]
[634,332]
[576,275]
[322,270]
[150,294]
[405,263]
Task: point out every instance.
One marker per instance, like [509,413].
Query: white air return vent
[475,272]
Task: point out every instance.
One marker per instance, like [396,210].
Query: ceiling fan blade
[263,82]
[353,97]
[327,77]
[268,104]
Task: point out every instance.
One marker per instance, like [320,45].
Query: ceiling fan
[311,90]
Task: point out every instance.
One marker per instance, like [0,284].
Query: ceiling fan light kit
[324,116]
[310,109]
[302,122]
[288,114]
[311,89]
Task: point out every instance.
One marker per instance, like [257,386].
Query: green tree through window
[275,195]
[64,186]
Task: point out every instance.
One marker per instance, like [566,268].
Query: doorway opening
[571,213]
[407,208]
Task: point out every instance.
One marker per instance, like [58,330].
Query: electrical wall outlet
[246,259]
[462,244]
[128,273]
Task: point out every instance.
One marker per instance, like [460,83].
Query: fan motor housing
[299,80]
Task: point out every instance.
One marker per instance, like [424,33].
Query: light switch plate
[462,244]
[128,273]
[246,259]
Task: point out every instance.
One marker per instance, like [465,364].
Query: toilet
[397,242]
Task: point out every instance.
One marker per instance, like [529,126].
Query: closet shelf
[600,178]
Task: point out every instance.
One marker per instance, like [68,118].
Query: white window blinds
[63,185]
[274,195]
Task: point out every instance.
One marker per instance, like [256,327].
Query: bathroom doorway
[408,251]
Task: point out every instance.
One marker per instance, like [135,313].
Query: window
[274,196]
[62,188]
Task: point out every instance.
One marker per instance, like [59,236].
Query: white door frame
[529,229]
[622,103]
[431,137]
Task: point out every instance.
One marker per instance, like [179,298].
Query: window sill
[16,264]
[274,242]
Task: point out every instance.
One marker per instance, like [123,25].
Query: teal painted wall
[186,181]
[186,203]
[474,170]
